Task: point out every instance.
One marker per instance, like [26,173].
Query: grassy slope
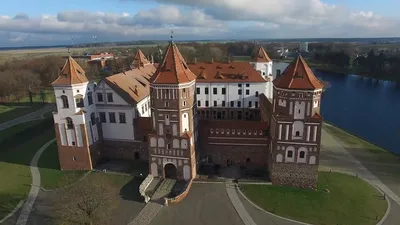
[350,201]
[382,163]
[14,169]
[9,112]
[50,174]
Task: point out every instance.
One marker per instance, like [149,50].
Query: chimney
[152,59]
[195,60]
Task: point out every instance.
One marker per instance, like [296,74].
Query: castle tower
[75,119]
[139,60]
[173,107]
[263,64]
[295,127]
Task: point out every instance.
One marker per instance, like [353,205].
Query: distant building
[304,47]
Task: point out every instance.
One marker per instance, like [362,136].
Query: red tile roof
[140,59]
[71,73]
[173,69]
[298,76]
[260,56]
[225,72]
[132,85]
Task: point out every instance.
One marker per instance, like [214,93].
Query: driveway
[206,204]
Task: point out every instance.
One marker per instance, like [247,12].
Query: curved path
[26,210]
[37,115]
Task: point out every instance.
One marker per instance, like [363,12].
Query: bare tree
[87,202]
[6,89]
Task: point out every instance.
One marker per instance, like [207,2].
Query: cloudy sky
[53,22]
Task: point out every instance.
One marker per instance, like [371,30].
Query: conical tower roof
[71,73]
[260,55]
[298,75]
[173,69]
[140,59]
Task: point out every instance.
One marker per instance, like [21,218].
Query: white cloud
[198,19]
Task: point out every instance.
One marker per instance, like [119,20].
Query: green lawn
[9,112]
[351,201]
[15,174]
[50,174]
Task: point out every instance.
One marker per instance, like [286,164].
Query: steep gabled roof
[260,55]
[173,69]
[71,73]
[140,59]
[298,76]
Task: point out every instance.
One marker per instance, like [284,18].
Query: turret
[75,118]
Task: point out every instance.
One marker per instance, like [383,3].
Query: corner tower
[295,127]
[262,63]
[173,110]
[75,119]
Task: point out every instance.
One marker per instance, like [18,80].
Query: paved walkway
[147,214]
[240,209]
[26,210]
[37,115]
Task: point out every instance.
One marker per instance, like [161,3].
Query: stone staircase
[156,203]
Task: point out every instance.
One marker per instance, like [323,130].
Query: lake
[365,107]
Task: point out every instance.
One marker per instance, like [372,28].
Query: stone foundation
[296,175]
[124,150]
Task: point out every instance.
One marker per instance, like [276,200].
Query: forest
[24,77]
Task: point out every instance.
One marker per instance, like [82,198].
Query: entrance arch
[170,171]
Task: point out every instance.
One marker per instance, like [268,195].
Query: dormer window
[79,102]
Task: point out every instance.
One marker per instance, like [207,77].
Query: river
[365,107]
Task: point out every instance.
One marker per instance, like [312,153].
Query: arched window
[211,131]
[297,133]
[70,123]
[302,155]
[256,93]
[79,101]
[65,101]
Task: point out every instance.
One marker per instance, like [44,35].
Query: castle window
[239,85]
[222,131]
[206,91]
[70,124]
[211,131]
[184,103]
[206,103]
[110,97]
[198,90]
[247,92]
[63,91]
[290,154]
[244,132]
[111,116]
[74,158]
[93,118]
[122,117]
[301,96]
[239,104]
[227,131]
[238,131]
[166,104]
[256,93]
[239,92]
[102,117]
[232,104]
[215,91]
[297,133]
[256,104]
[65,101]
[90,98]
[233,131]
[250,104]
[302,155]
[99,97]
[168,146]
[260,132]
[224,91]
[223,103]
[79,102]
[215,103]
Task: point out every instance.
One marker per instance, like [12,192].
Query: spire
[298,75]
[71,73]
[260,55]
[140,60]
[173,69]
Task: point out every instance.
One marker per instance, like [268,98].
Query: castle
[178,114]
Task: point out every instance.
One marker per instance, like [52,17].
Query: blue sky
[47,22]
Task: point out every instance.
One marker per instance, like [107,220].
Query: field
[350,201]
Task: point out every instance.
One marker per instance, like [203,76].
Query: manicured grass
[15,176]
[50,174]
[14,130]
[351,201]
[8,113]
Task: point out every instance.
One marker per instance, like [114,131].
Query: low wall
[179,198]
[144,185]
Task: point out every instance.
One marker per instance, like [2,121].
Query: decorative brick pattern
[296,175]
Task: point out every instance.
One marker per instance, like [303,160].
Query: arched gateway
[170,171]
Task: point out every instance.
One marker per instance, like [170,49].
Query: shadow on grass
[9,202]
[130,191]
